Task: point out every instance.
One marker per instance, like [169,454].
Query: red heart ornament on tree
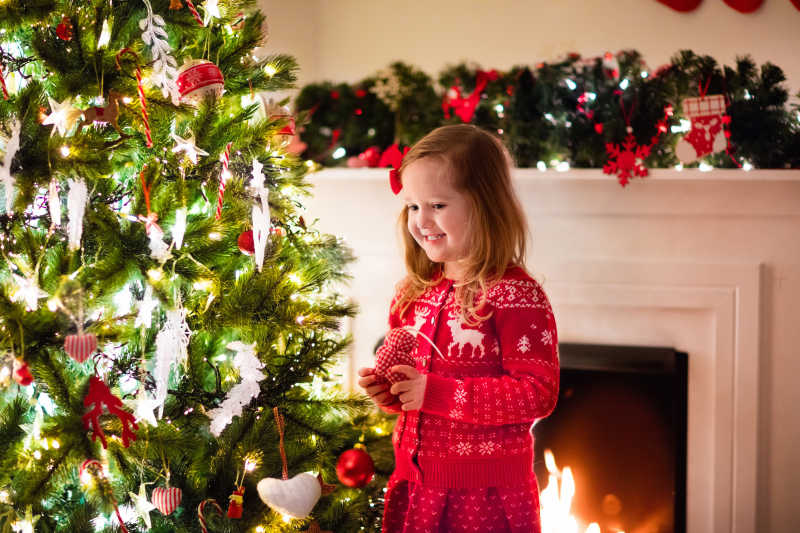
[80,347]
[166,500]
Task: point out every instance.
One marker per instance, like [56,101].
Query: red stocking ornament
[706,136]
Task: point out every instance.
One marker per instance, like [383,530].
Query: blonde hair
[479,166]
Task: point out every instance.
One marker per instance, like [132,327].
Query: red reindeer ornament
[100,395]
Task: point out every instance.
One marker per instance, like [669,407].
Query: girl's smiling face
[438,213]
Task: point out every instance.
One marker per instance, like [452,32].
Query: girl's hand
[412,391]
[379,393]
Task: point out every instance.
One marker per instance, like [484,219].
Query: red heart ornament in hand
[396,350]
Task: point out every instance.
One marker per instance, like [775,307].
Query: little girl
[463,443]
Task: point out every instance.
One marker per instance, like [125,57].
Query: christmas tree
[169,322]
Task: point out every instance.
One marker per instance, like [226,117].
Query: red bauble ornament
[355,468]
[246,243]
[236,505]
[199,78]
[64,30]
[22,373]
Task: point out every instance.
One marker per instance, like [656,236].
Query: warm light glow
[555,501]
[705,167]
[4,497]
[286,518]
[155,274]
[270,70]
[260,529]
[65,151]
[294,278]
[746,166]
[250,465]
[542,166]
[105,35]
[203,284]
[215,236]
[339,153]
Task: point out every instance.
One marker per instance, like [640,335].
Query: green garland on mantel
[565,112]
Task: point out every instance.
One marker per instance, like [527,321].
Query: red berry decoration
[64,30]
[246,243]
[22,373]
[355,468]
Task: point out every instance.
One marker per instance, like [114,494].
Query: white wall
[346,40]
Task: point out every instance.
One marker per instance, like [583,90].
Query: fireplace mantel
[687,259]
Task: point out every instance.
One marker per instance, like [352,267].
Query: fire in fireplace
[620,426]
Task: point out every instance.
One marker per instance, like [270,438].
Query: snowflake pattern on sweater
[486,385]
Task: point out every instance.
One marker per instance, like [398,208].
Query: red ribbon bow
[464,107]
[393,157]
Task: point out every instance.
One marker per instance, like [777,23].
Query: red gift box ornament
[198,78]
[166,499]
[396,350]
[80,347]
[236,505]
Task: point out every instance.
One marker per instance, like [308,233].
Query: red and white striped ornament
[201,509]
[3,84]
[139,86]
[166,499]
[194,12]
[223,178]
[80,347]
[93,468]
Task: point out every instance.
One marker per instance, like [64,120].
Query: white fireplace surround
[668,261]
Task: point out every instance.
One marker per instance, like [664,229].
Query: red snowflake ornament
[627,160]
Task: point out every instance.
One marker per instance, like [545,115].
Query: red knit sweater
[474,427]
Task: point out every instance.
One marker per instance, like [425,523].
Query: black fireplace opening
[620,425]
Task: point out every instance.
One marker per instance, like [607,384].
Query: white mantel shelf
[596,174]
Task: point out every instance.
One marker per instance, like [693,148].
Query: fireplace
[620,426]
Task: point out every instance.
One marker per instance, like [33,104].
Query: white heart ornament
[294,497]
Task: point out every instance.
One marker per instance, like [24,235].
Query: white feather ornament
[12,145]
[77,198]
[249,366]
[172,344]
[165,68]
[54,203]
[179,229]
